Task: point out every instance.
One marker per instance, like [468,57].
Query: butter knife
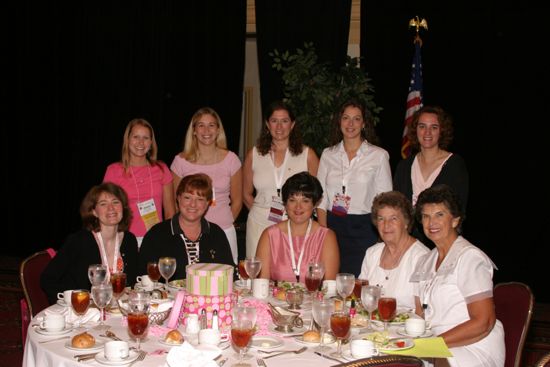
[328,357]
[220,363]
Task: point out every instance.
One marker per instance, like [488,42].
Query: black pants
[355,234]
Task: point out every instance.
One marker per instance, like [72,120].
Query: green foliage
[315,91]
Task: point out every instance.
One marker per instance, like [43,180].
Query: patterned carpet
[11,348]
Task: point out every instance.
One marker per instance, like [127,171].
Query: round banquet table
[54,353]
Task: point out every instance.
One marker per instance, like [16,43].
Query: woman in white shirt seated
[390,263]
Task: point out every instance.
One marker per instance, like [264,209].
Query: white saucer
[426,334]
[266,342]
[163,342]
[300,339]
[132,355]
[61,302]
[295,330]
[68,329]
[346,353]
[98,345]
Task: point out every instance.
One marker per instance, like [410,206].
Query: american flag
[414,98]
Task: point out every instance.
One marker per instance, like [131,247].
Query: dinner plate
[300,339]
[68,329]
[393,323]
[266,342]
[295,330]
[97,345]
[409,343]
[163,342]
[132,355]
[426,334]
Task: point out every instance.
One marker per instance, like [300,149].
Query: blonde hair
[151,154]
[190,144]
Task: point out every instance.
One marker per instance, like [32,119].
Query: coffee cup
[330,287]
[209,337]
[53,322]
[192,324]
[361,348]
[415,326]
[260,288]
[65,296]
[116,350]
[145,281]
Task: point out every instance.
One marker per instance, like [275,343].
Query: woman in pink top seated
[205,151]
[147,181]
[286,248]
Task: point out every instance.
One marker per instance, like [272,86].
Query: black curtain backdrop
[287,24]
[73,76]
[483,63]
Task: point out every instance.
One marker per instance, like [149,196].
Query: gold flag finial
[418,23]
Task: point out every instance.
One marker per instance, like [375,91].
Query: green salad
[400,317]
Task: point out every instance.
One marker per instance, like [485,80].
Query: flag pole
[414,97]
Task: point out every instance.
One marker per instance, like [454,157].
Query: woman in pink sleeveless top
[286,248]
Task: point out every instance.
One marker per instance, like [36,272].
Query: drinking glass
[102,295]
[314,276]
[359,284]
[322,310]
[369,299]
[80,300]
[138,318]
[97,274]
[167,268]
[242,329]
[386,309]
[118,282]
[340,323]
[252,265]
[344,286]
[153,272]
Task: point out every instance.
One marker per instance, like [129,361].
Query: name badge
[148,213]
[277,210]
[340,205]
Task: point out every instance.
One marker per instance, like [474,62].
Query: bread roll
[173,337]
[83,340]
[312,336]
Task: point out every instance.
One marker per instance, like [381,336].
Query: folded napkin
[160,305]
[426,348]
[186,355]
[92,315]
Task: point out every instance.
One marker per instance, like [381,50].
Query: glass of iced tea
[386,309]
[80,300]
[314,276]
[138,318]
[153,272]
[340,323]
[359,283]
[242,329]
[118,281]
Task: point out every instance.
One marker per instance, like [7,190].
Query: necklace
[389,269]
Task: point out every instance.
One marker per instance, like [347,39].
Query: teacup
[361,348]
[260,288]
[116,350]
[145,281]
[211,337]
[330,287]
[53,322]
[192,324]
[415,326]
[65,296]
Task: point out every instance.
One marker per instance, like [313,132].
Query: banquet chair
[386,361]
[35,299]
[514,308]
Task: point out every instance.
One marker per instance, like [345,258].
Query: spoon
[110,334]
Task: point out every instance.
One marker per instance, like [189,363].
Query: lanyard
[296,267]
[344,161]
[103,252]
[135,182]
[279,173]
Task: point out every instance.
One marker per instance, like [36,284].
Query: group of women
[339,210]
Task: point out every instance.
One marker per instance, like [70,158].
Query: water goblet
[80,300]
[252,265]
[386,309]
[369,299]
[97,274]
[344,286]
[102,295]
[242,329]
[322,310]
[167,268]
[314,276]
[340,323]
[153,272]
[138,318]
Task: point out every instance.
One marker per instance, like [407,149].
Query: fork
[301,350]
[141,357]
[261,362]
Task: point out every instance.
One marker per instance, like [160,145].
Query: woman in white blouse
[352,172]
